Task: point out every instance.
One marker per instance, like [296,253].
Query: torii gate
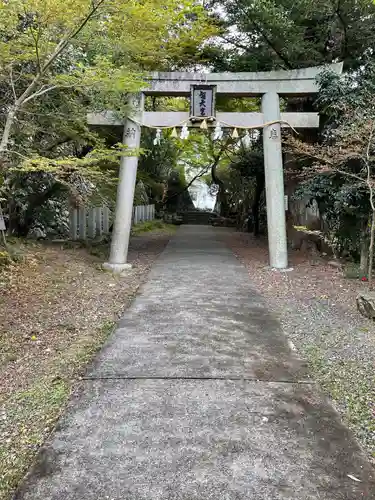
[269,85]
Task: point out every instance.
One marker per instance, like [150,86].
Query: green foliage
[271,34]
[35,199]
[5,259]
[340,172]
[59,61]
[156,164]
[344,207]
[285,34]
[243,182]
[140,194]
[96,45]
[178,197]
[40,190]
[11,252]
[155,103]
[237,104]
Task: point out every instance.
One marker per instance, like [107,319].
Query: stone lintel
[288,83]
[175,118]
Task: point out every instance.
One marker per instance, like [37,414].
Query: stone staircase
[196,217]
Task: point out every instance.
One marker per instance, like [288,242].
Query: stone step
[199,218]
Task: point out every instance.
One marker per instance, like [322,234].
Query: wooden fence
[88,223]
[143,213]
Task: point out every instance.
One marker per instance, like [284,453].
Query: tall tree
[58,61]
[88,47]
[286,34]
[340,174]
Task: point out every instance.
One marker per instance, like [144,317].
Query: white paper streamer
[184,132]
[157,137]
[246,140]
[218,132]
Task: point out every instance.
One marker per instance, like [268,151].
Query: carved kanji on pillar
[130,132]
[273,133]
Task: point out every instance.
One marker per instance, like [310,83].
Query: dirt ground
[57,307]
[316,306]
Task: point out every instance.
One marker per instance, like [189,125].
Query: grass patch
[152,225]
[12,252]
[351,386]
[5,258]
[28,416]
[31,415]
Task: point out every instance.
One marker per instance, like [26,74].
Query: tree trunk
[363,263]
[11,116]
[371,249]
[221,194]
[7,129]
[223,202]
[364,247]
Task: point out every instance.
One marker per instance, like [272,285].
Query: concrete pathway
[197,396]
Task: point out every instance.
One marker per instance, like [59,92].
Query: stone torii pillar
[274,176]
[125,191]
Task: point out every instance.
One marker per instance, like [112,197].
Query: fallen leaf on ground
[354,478]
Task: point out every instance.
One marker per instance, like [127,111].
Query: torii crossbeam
[269,85]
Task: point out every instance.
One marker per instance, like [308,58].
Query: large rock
[366,304]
